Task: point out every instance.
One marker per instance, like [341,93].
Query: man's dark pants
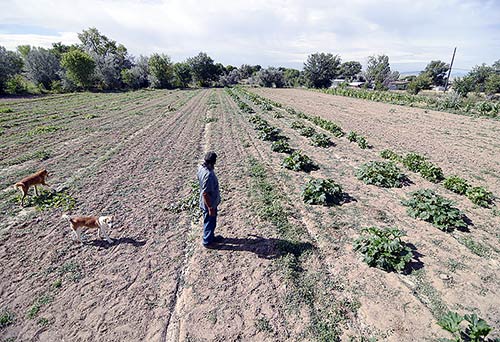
[209,223]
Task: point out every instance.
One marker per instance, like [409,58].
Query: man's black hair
[210,158]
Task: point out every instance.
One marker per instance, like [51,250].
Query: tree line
[99,63]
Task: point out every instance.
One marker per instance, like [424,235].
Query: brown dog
[32,180]
[78,223]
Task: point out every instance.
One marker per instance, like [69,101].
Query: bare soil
[135,157]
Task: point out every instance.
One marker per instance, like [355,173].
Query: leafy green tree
[321,68]
[137,76]
[496,65]
[292,78]
[11,64]
[79,67]
[42,67]
[271,77]
[378,71]
[463,85]
[479,74]
[182,75]
[23,50]
[350,69]
[421,82]
[203,69]
[230,78]
[492,84]
[436,70]
[161,71]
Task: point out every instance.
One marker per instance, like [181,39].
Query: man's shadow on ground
[266,248]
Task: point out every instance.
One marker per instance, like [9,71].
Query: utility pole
[449,71]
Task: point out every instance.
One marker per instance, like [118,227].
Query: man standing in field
[209,197]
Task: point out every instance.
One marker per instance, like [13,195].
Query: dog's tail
[66,217]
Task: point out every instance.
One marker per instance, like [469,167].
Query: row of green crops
[380,247]
[450,102]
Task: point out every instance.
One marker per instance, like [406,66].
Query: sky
[267,32]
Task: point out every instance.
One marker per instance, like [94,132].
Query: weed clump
[383,174]
[6,318]
[190,203]
[298,161]
[426,205]
[47,200]
[322,192]
[456,184]
[321,140]
[383,248]
[480,196]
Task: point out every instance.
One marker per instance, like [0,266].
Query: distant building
[336,82]
[398,85]
[356,84]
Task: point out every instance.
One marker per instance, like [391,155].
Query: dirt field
[285,271]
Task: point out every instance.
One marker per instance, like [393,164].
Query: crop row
[448,103]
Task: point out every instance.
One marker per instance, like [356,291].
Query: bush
[352,136]
[307,131]
[281,146]
[322,192]
[426,205]
[480,196]
[391,155]
[384,174]
[321,140]
[456,184]
[413,161]
[383,248]
[297,125]
[298,161]
[431,172]
[362,143]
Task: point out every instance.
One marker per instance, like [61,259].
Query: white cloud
[270,32]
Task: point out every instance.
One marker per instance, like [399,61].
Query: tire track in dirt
[132,185]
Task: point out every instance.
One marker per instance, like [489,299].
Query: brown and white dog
[32,180]
[78,223]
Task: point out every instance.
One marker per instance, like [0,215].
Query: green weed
[38,304]
[43,130]
[6,318]
[262,325]
[48,200]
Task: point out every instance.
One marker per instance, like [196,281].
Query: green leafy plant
[362,143]
[6,110]
[321,140]
[298,161]
[352,136]
[413,161]
[281,146]
[456,184]
[322,192]
[6,318]
[426,205]
[51,199]
[476,330]
[384,174]
[383,248]
[431,172]
[297,125]
[391,155]
[307,131]
[37,305]
[190,203]
[480,196]
[43,130]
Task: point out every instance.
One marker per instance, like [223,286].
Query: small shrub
[321,140]
[391,155]
[37,305]
[298,161]
[6,318]
[262,325]
[383,248]
[476,330]
[362,143]
[297,125]
[322,192]
[456,184]
[431,172]
[352,136]
[412,161]
[384,174]
[281,146]
[307,131]
[43,130]
[480,196]
[426,205]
